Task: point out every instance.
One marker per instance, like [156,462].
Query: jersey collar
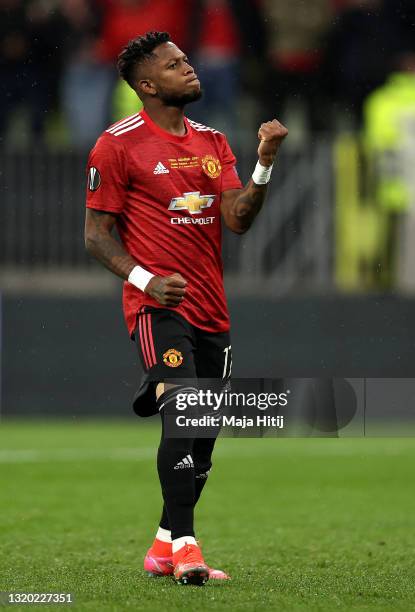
[166,135]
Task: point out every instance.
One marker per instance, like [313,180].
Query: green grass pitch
[300,524]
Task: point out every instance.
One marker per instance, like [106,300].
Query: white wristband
[262,174]
[140,277]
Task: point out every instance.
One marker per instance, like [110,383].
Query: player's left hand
[271,134]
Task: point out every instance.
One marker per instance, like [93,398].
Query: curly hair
[137,51]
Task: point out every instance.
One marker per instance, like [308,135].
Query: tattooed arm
[99,242]
[102,245]
[240,206]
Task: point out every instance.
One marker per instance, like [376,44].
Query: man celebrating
[164,180]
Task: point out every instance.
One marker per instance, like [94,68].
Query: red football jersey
[166,191]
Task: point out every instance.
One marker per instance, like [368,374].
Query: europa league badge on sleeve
[94,179]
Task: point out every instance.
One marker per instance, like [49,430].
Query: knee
[172,399]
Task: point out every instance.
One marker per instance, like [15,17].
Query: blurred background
[323,285]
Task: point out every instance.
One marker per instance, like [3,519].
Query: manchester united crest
[211,166]
[173,358]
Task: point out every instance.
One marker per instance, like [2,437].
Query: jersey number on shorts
[227,367]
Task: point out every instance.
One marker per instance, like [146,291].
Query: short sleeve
[230,177]
[107,176]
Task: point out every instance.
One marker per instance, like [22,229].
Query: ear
[147,87]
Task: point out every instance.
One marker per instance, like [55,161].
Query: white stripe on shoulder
[124,121]
[202,128]
[133,126]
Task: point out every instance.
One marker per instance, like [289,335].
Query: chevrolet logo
[192,201]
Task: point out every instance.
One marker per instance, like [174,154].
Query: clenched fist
[271,135]
[167,290]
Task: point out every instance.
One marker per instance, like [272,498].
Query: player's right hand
[167,290]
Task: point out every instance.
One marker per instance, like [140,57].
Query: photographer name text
[231,421]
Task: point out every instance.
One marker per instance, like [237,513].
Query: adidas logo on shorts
[160,169]
[186,462]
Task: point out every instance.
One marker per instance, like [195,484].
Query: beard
[179,100]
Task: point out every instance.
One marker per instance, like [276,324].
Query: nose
[189,68]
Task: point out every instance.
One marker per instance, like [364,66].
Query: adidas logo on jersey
[186,462]
[160,169]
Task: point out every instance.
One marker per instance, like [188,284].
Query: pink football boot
[156,567]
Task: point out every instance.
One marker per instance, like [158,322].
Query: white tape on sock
[178,543]
[164,535]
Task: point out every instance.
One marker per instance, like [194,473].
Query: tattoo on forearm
[248,204]
[109,252]
[104,247]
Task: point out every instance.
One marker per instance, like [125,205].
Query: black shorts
[171,348]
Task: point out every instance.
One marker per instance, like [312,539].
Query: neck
[169,118]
